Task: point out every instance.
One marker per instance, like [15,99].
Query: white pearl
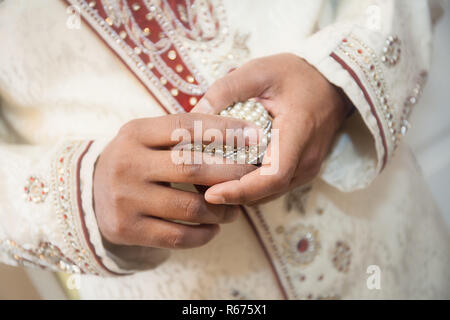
[241,157]
[250,103]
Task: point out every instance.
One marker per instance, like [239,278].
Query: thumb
[239,85]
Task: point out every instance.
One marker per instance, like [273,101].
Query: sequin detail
[301,245]
[45,256]
[342,256]
[156,40]
[64,184]
[35,190]
[369,64]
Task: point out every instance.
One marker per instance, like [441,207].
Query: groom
[132,205]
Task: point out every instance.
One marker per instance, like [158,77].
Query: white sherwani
[366,228]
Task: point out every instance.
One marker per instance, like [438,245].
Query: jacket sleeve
[46,211]
[378,53]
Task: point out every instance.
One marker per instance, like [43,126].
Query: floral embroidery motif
[35,190]
[342,256]
[301,244]
[154,37]
[392,51]
[410,101]
[45,256]
[297,198]
[229,61]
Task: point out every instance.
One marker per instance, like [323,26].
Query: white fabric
[58,84]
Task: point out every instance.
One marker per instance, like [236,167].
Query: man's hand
[307,111]
[134,204]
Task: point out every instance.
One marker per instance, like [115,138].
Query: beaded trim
[391,51]
[46,256]
[368,62]
[270,245]
[395,125]
[65,186]
[410,101]
[35,190]
[148,35]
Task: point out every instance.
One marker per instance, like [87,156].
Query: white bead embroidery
[391,51]
[46,256]
[301,244]
[35,190]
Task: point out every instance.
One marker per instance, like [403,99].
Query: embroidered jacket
[68,84]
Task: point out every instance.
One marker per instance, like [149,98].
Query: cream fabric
[61,87]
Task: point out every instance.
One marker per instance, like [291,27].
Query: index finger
[167,130]
[248,81]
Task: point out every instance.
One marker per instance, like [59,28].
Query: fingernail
[203,106]
[214,198]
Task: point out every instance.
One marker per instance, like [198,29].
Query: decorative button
[35,190]
[301,244]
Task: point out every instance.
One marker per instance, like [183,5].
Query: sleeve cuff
[112,259]
[72,174]
[362,147]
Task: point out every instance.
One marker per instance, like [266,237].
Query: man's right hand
[134,204]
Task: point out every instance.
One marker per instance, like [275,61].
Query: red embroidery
[147,38]
[369,101]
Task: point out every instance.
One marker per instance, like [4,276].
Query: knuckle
[118,199]
[178,238]
[129,129]
[223,87]
[281,179]
[193,209]
[183,121]
[258,63]
[116,228]
[120,166]
[187,170]
[241,197]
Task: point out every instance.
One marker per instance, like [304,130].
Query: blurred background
[429,138]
